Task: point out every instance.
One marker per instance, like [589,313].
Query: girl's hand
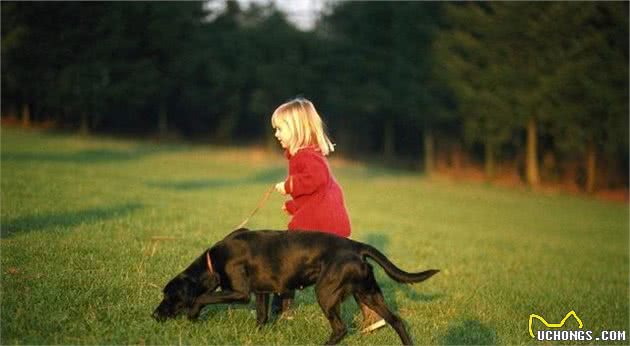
[284,208]
[280,188]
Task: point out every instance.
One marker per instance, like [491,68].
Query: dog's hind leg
[333,314]
[262,305]
[376,302]
[329,296]
[370,294]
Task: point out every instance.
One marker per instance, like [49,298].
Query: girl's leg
[281,305]
[371,319]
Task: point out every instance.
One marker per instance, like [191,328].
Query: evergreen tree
[588,86]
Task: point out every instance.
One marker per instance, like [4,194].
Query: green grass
[79,265]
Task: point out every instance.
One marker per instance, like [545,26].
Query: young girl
[317,199]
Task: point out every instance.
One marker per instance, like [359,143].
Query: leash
[260,205]
[209,265]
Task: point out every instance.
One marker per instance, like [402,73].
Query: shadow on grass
[469,332]
[268,176]
[91,156]
[211,311]
[380,240]
[67,219]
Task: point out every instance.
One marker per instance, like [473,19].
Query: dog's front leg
[221,297]
[262,306]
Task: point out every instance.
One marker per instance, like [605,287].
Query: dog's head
[180,293]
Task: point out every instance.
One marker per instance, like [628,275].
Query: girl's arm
[290,206]
[306,175]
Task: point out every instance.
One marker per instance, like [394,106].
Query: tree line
[541,85]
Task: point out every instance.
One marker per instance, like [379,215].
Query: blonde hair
[305,124]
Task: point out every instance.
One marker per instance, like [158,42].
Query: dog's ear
[211,279]
[209,262]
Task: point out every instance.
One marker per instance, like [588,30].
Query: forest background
[528,93]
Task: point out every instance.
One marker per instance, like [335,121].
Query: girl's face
[283,134]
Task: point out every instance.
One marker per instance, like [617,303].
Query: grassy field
[93,228]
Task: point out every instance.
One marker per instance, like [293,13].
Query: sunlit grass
[93,228]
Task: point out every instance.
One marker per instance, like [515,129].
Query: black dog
[264,262]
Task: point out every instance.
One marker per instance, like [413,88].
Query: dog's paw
[193,315]
[261,323]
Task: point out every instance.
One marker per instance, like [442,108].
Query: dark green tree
[382,59]
[495,66]
[588,86]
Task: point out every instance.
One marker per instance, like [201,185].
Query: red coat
[317,203]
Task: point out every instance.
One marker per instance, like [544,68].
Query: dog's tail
[392,270]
